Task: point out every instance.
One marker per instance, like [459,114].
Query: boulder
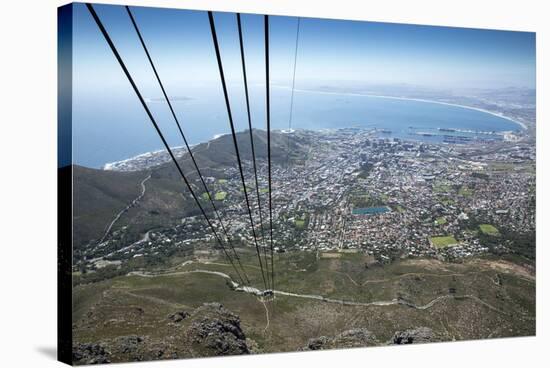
[178,316]
[129,344]
[358,337]
[418,335]
[216,331]
[84,354]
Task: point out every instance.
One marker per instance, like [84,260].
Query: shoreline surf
[493,113]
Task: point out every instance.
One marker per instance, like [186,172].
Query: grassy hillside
[98,196]
[480,298]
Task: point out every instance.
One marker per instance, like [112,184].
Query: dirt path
[119,215]
[381,303]
[420,274]
[151,298]
[266,314]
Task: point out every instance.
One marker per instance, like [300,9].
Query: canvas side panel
[64,183]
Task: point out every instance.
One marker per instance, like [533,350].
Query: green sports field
[443,241]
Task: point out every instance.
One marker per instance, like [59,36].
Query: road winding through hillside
[132,204]
[257,292]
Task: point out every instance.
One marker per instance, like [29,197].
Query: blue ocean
[112,129]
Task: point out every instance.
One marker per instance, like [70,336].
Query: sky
[329,51]
[109,123]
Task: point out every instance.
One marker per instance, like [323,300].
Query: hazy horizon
[328,50]
[338,54]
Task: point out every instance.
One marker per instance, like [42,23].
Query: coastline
[114,164]
[521,124]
